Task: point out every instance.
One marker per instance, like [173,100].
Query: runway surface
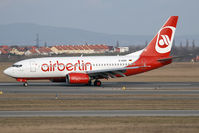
[133,88]
[188,90]
[101,113]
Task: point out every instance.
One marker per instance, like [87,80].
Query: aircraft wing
[106,73]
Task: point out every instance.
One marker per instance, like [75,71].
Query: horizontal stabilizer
[174,57]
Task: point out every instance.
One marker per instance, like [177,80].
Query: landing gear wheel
[97,83]
[25,84]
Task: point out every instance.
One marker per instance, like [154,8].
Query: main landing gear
[97,83]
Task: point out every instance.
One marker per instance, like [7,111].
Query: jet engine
[77,78]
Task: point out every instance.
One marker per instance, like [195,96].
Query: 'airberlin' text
[79,66]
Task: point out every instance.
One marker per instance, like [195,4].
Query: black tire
[97,83]
[25,84]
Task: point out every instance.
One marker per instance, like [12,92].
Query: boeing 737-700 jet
[83,70]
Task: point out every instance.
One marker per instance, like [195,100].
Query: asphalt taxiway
[132,88]
[101,113]
[184,90]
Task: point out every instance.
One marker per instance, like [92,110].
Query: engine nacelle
[77,78]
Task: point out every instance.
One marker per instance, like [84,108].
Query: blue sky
[131,17]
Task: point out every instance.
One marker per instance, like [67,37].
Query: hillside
[25,34]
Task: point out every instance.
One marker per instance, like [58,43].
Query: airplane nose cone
[7,72]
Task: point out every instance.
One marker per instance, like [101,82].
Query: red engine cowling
[77,78]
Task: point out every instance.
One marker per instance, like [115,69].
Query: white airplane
[83,70]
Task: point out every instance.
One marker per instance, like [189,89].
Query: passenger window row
[113,64]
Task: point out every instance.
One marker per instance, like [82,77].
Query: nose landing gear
[25,84]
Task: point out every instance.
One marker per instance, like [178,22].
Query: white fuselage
[61,66]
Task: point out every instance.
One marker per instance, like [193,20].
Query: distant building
[84,49]
[117,50]
[3,51]
[58,49]
[99,48]
[17,51]
[31,52]
[121,49]
[44,51]
[4,47]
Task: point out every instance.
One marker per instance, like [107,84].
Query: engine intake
[77,78]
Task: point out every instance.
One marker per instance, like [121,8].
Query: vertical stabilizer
[162,42]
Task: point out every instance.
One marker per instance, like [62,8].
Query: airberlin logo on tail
[164,39]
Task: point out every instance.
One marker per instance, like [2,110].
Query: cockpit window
[16,65]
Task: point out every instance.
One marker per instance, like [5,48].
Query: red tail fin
[162,42]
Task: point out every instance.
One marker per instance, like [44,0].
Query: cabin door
[32,66]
